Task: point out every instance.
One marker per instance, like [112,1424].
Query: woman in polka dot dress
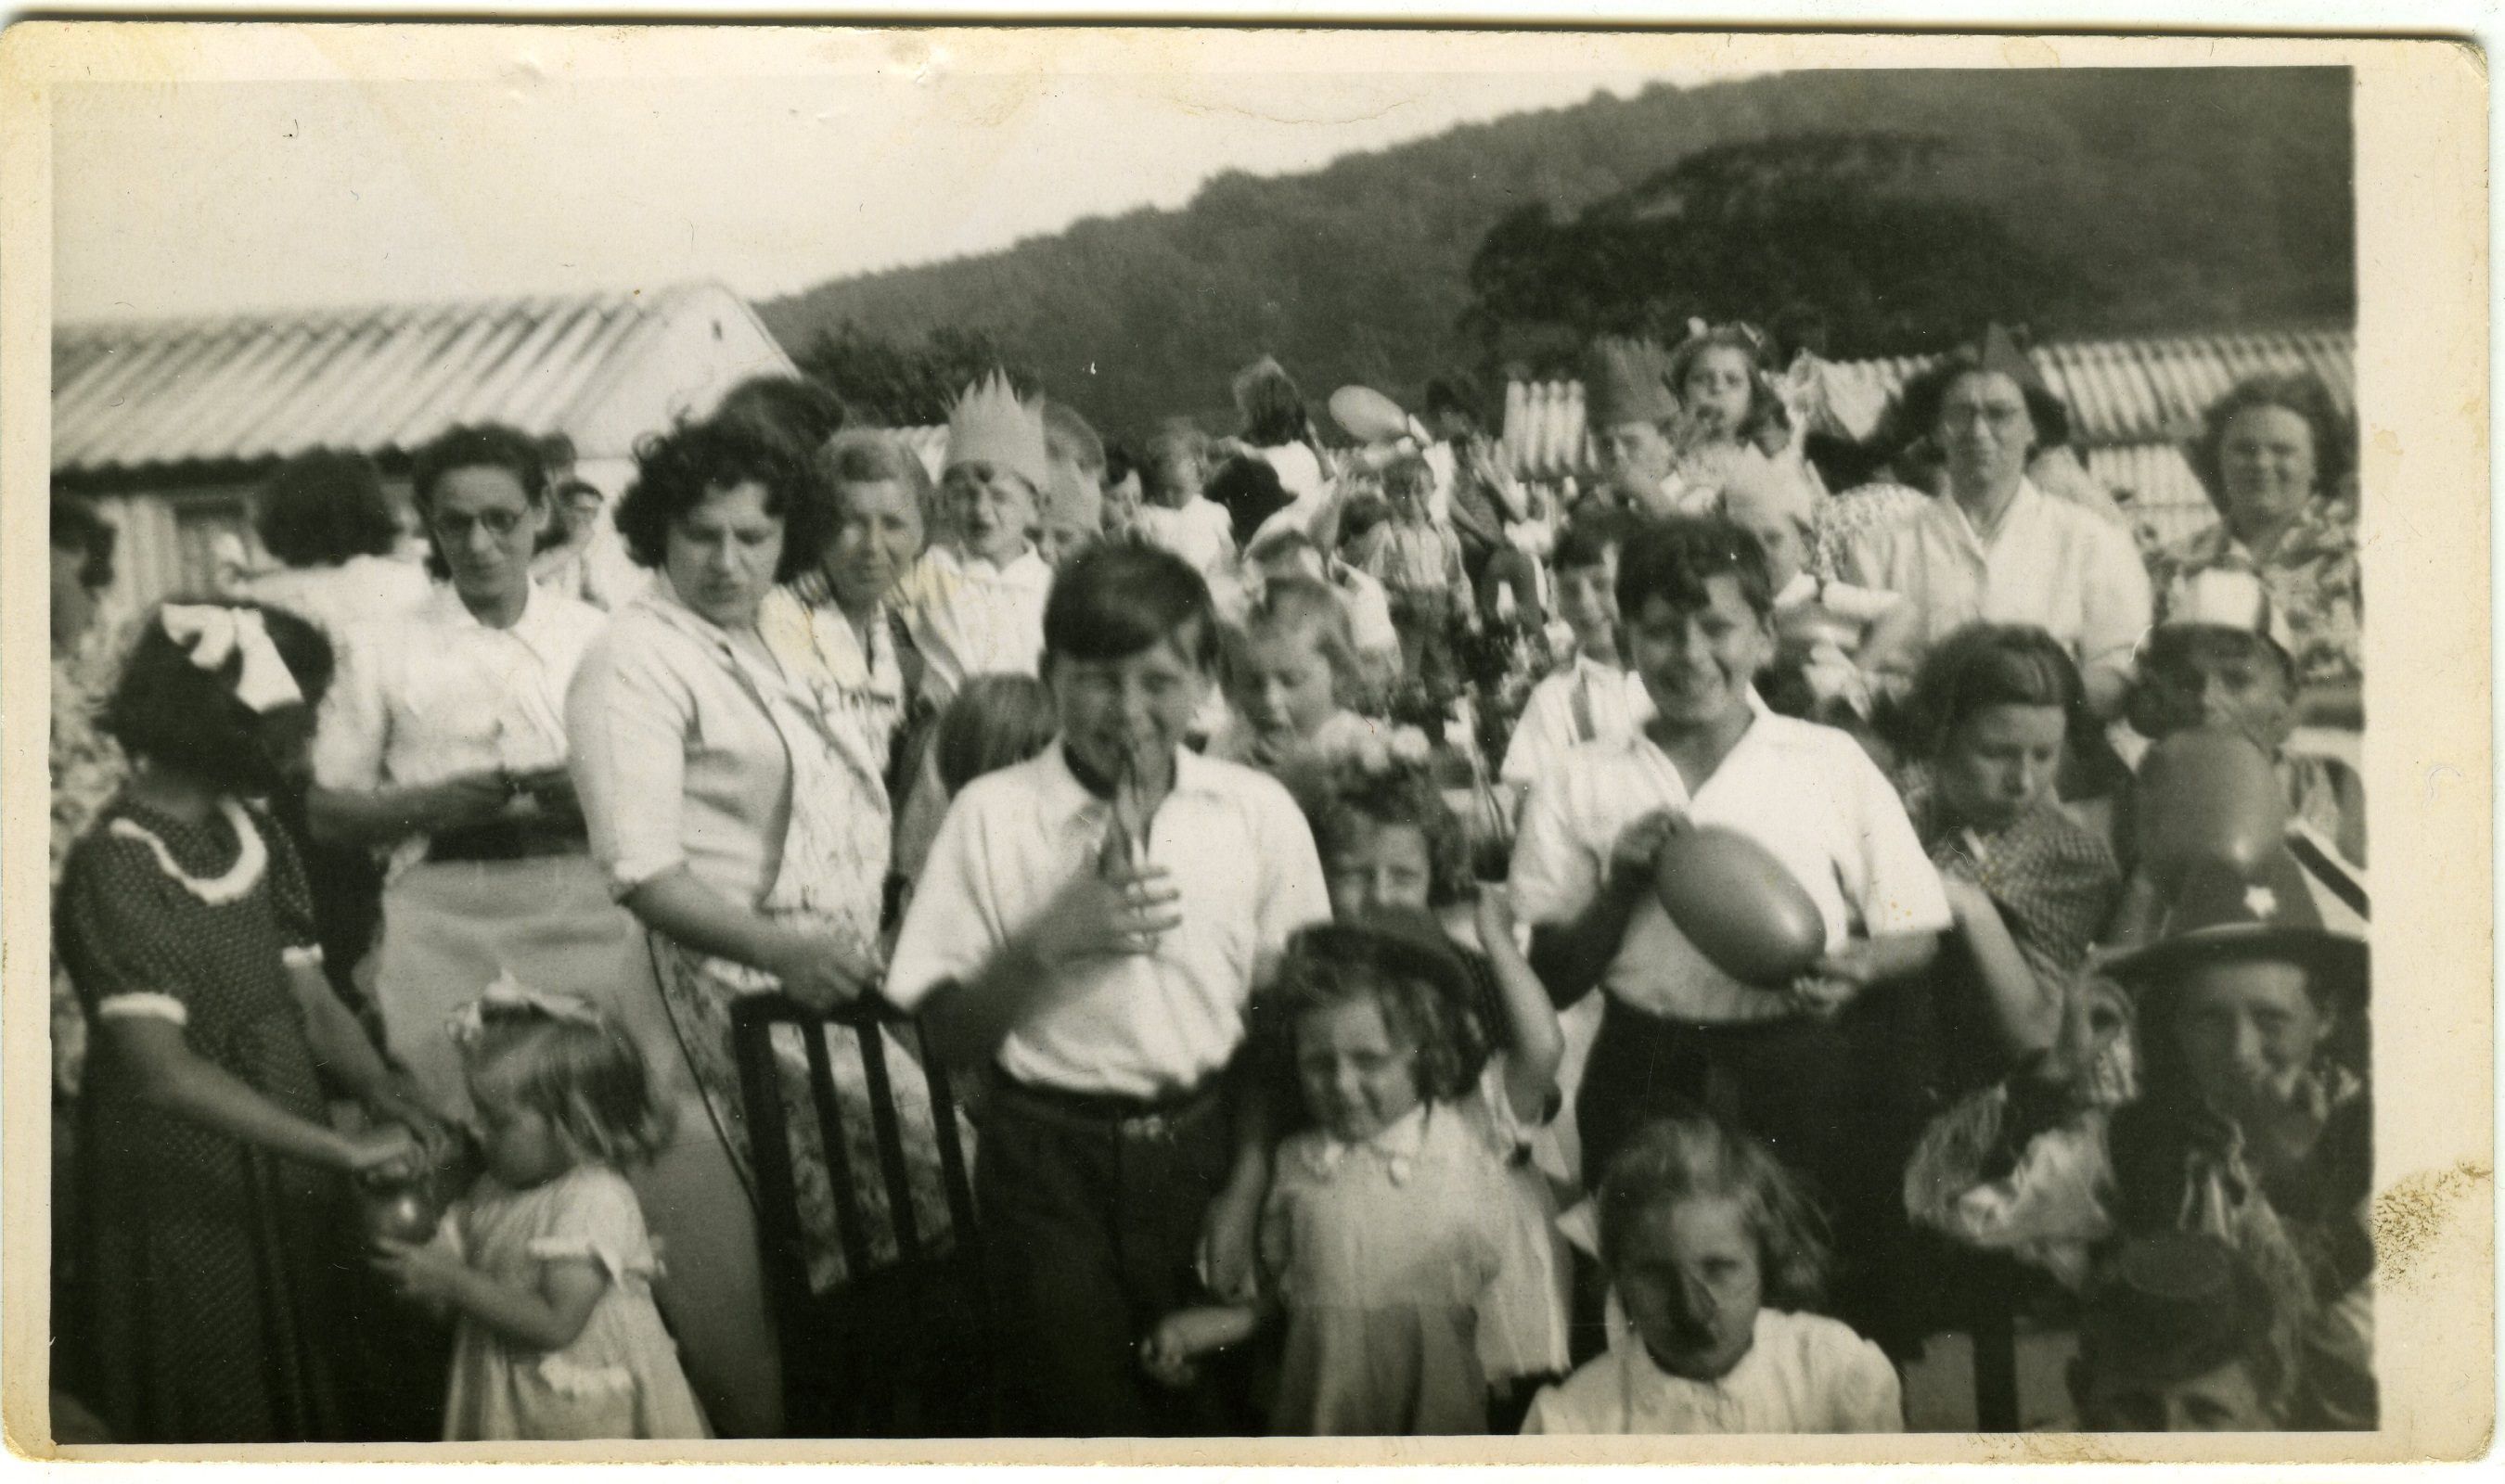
[213,1207]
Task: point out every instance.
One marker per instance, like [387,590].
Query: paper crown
[990,424]
[1627,381]
[2226,598]
[2000,353]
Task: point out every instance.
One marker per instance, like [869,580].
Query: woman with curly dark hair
[721,810]
[2276,456]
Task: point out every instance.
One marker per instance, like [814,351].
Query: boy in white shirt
[1678,1034]
[974,603]
[1090,926]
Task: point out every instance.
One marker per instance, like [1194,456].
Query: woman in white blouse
[442,745]
[742,819]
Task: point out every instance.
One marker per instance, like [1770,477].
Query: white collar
[2021,502]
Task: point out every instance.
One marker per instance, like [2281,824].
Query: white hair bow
[213,635]
[509,996]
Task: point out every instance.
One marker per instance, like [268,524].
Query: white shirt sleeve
[2117,602]
[1865,1391]
[1292,892]
[952,925]
[354,724]
[1891,880]
[1543,733]
[627,719]
[1554,876]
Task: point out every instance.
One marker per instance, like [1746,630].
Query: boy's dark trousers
[1092,1208]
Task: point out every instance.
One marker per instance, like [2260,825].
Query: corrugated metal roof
[249,387]
[2119,391]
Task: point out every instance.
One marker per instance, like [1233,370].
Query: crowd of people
[1433,952]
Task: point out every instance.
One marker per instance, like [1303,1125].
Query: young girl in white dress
[1713,1250]
[1387,1236]
[546,1262]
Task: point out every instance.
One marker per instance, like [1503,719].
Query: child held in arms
[1176,515]
[1089,929]
[976,603]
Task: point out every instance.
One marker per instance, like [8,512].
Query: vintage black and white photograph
[957,743]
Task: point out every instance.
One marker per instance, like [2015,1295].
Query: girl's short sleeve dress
[205,1308]
[1384,1252]
[620,1377]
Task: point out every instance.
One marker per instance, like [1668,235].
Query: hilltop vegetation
[2118,202]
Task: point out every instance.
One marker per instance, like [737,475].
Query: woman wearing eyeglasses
[442,745]
[1994,547]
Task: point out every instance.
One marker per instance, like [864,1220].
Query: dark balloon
[1739,904]
[2209,795]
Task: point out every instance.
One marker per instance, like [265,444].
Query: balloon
[2209,795]
[400,1211]
[1739,904]
[1368,415]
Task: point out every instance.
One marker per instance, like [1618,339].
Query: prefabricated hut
[170,425]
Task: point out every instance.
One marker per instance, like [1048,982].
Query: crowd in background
[1436,953]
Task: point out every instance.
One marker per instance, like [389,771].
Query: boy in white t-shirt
[1090,927]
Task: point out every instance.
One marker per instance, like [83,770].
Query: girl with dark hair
[443,748]
[214,1229]
[1998,708]
[1389,1222]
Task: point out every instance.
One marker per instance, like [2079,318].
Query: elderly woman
[2276,456]
[2256,1121]
[1993,546]
[739,809]
[442,745]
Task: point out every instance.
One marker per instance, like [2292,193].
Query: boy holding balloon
[1729,877]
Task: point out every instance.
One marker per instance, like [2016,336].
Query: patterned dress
[208,1301]
[88,770]
[2316,606]
[620,1377]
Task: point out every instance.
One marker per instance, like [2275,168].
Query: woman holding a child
[745,823]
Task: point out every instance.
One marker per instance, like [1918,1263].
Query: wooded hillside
[2169,199]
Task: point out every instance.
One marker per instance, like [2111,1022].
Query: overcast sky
[220,197]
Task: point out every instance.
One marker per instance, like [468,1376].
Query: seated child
[2175,1336]
[2029,888]
[1596,698]
[1389,1224]
[1290,670]
[1293,554]
[1419,564]
[994,721]
[1713,1250]
[2214,662]
[1833,639]
[546,1262]
[975,602]
[1174,514]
